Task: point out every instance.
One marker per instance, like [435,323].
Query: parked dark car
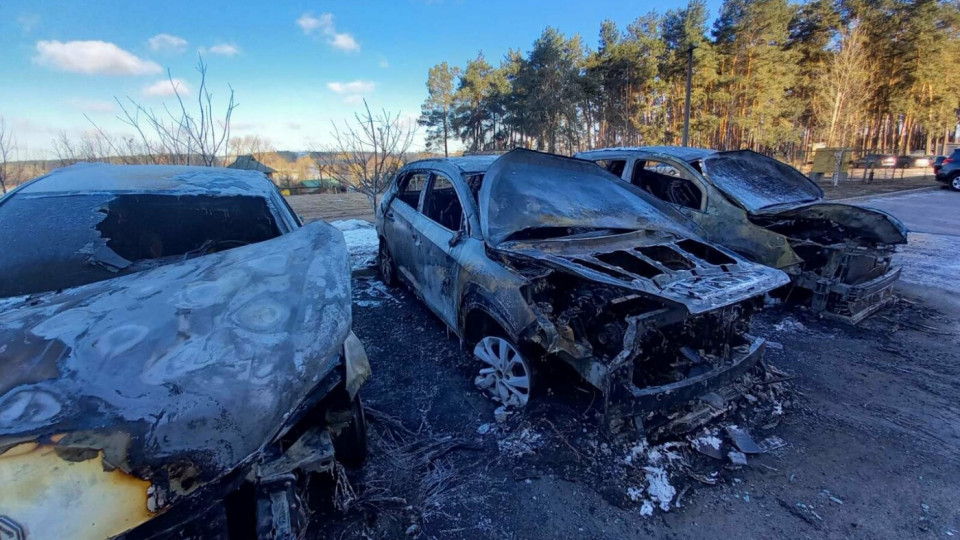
[875,161]
[914,162]
[838,255]
[533,258]
[937,163]
[176,355]
[948,172]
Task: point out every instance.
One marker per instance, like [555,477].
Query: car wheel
[955,183]
[350,445]
[506,375]
[388,272]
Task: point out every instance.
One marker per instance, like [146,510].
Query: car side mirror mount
[456,238]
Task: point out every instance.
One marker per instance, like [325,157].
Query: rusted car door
[399,220]
[440,226]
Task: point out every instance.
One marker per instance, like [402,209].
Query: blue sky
[295,66]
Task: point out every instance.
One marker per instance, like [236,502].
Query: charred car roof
[681,152]
[476,164]
[163,179]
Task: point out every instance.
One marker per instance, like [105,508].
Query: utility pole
[686,105]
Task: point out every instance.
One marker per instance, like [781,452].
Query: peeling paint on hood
[193,365]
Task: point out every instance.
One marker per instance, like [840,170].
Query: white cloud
[166,88]
[353,91]
[28,23]
[92,58]
[167,42]
[344,42]
[224,49]
[309,23]
[92,105]
[352,87]
[323,24]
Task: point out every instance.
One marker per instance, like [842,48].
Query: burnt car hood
[178,374]
[756,182]
[857,222]
[525,190]
[664,265]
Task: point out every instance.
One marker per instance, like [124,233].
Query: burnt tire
[386,269]
[350,445]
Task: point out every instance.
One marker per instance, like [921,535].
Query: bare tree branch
[367,152]
[182,136]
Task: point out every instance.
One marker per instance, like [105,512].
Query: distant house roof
[248,163]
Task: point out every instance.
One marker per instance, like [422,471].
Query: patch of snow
[646,509]
[371,293]
[708,444]
[737,458]
[930,259]
[789,324]
[361,239]
[659,487]
[637,450]
[520,444]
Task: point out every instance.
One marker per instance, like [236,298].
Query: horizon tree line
[773,76]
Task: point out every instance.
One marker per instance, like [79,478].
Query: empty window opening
[600,268]
[442,204]
[630,263]
[146,227]
[666,182]
[667,257]
[614,166]
[706,253]
[410,188]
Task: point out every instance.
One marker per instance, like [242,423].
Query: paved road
[931,259]
[931,212]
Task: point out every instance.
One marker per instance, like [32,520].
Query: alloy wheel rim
[505,375]
[956,183]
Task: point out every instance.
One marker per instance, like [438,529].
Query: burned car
[533,258]
[176,355]
[838,255]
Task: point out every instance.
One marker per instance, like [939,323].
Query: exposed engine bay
[846,270]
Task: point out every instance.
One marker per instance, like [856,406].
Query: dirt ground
[353,205]
[331,206]
[871,433]
[870,418]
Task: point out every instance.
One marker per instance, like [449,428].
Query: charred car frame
[532,258]
[838,255]
[175,355]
